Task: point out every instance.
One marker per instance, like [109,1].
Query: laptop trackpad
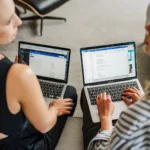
[119,107]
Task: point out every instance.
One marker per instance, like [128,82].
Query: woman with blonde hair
[26,122]
[132,129]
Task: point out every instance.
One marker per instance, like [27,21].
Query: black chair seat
[44,6]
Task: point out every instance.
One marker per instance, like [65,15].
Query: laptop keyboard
[114,90]
[51,90]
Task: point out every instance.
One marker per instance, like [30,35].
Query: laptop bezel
[54,47]
[109,81]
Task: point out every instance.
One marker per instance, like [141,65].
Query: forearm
[106,123]
[52,114]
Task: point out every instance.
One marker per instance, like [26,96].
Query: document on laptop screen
[48,65]
[45,62]
[105,64]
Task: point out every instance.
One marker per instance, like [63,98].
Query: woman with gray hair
[132,130]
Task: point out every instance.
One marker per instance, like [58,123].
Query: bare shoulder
[21,79]
[16,84]
[20,71]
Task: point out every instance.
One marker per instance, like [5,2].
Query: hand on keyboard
[64,106]
[105,105]
[131,96]
[114,90]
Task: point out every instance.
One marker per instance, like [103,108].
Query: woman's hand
[105,105]
[105,109]
[132,93]
[64,106]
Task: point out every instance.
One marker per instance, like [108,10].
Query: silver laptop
[109,68]
[50,64]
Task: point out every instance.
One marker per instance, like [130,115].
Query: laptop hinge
[111,81]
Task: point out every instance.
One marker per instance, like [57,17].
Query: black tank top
[9,123]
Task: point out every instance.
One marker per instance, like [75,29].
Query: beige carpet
[89,23]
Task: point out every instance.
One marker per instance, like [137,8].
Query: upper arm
[31,98]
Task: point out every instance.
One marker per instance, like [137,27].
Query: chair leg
[42,19]
[25,10]
[55,18]
[18,12]
[31,18]
[46,17]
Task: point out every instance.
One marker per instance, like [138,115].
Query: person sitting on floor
[132,130]
[26,122]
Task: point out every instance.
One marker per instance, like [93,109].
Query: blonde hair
[147,89]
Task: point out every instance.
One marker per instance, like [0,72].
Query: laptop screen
[108,63]
[46,62]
